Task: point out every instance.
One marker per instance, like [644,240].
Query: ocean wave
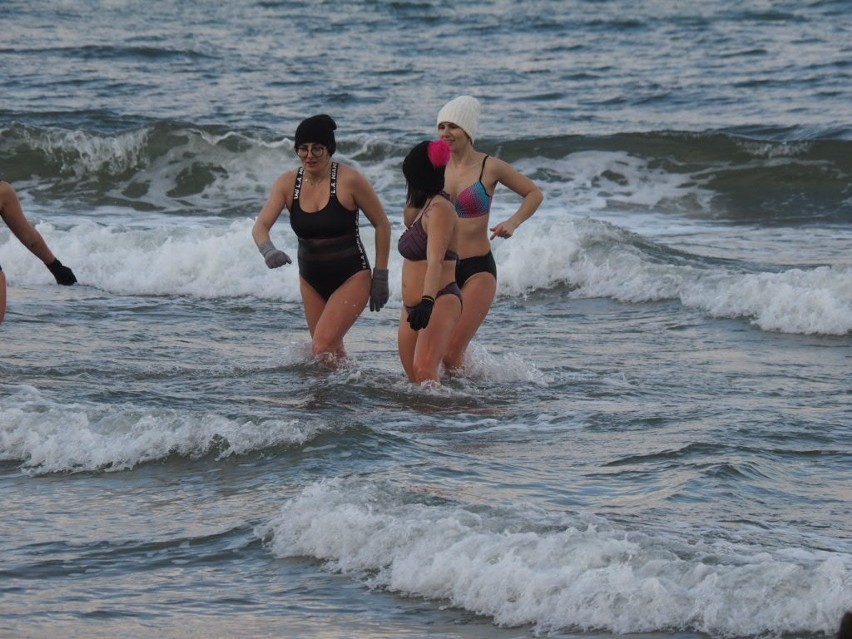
[572,572]
[49,437]
[161,167]
[584,257]
[750,176]
[597,259]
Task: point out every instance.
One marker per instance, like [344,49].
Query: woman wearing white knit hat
[471,178]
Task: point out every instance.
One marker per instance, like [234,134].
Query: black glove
[379,293]
[63,274]
[418,317]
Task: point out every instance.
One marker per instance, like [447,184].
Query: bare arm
[367,200]
[531,195]
[13,215]
[275,203]
[440,225]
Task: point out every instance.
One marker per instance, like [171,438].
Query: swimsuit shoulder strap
[298,187]
[482,170]
[419,217]
[334,178]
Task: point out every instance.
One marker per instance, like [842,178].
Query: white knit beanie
[462,111]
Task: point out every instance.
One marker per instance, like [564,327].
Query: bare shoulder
[280,194]
[355,191]
[501,172]
[498,168]
[285,182]
[441,209]
[353,181]
[349,175]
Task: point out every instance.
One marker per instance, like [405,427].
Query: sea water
[654,434]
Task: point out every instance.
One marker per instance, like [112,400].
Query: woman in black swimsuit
[323,198]
[431,298]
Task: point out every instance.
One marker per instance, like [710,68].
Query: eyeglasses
[315,149]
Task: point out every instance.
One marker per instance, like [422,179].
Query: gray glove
[379,293]
[273,257]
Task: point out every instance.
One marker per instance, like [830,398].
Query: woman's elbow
[535,198]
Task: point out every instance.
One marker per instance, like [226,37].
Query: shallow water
[653,438]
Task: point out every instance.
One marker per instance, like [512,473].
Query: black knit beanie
[318,129]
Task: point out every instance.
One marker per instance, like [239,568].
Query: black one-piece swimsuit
[330,248]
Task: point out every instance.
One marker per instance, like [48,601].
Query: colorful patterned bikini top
[474,201]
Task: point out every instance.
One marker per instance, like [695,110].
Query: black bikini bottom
[450,289]
[470,266]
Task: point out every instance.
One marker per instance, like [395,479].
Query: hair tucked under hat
[318,129]
[423,169]
[462,111]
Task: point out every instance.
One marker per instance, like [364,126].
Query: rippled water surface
[654,434]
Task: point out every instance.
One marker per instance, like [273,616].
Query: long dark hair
[423,169]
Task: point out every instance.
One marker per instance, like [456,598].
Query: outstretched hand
[62,273]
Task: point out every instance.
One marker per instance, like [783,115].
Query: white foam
[816,301]
[600,260]
[813,301]
[527,567]
[479,364]
[607,183]
[593,258]
[200,261]
[49,437]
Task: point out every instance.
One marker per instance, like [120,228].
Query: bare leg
[406,342]
[478,294]
[2,296]
[328,322]
[432,341]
